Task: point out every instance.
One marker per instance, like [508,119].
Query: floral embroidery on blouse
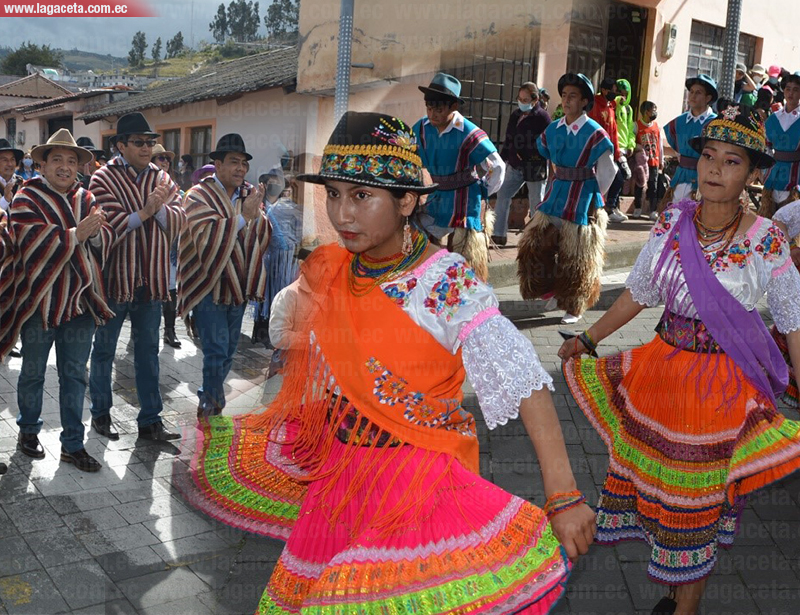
[664,223]
[447,295]
[400,293]
[771,245]
[391,390]
[741,251]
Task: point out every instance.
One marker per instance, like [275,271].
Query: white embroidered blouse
[756,262]
[446,299]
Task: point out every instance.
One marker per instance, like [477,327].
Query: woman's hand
[575,530]
[572,347]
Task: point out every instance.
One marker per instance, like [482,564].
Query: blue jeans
[73,340]
[511,184]
[145,325]
[219,327]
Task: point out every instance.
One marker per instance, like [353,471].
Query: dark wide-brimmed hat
[580,81]
[790,78]
[5,146]
[372,149]
[227,144]
[87,143]
[443,87]
[132,124]
[738,126]
[707,82]
[62,138]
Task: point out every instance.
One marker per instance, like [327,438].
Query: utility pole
[730,49]
[342,94]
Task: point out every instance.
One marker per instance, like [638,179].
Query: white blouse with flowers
[756,262]
[446,299]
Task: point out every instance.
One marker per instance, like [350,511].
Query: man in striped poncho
[61,242]
[143,207]
[220,262]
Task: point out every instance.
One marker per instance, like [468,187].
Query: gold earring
[408,243]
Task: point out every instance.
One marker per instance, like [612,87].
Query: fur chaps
[474,245]
[567,261]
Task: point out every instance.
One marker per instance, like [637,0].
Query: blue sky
[114,35]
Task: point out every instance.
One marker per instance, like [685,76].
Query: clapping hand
[252,203]
[90,225]
[160,195]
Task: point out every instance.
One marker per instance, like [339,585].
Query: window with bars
[706,44]
[200,145]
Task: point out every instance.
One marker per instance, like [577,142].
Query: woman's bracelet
[562,502]
[587,341]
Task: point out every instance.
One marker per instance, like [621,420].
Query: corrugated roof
[33,86]
[270,69]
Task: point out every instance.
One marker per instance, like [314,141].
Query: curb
[503,273]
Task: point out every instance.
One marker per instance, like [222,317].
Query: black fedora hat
[372,149]
[229,143]
[5,146]
[87,143]
[132,124]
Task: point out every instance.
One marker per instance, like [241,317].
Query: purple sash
[742,335]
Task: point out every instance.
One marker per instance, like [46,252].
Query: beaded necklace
[715,235]
[368,273]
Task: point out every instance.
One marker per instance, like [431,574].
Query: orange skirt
[681,460]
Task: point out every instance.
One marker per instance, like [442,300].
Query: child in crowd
[648,137]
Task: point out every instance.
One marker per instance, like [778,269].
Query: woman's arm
[793,342]
[575,527]
[618,315]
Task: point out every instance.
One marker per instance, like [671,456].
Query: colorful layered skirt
[458,545]
[686,445]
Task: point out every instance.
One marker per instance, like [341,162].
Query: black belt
[454,181]
[687,162]
[782,156]
[575,174]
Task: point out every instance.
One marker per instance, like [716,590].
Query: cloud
[113,35]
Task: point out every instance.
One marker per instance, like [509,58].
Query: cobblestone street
[123,541]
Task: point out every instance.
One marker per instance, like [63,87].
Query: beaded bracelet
[562,501]
[587,341]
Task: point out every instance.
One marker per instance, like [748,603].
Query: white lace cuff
[790,215]
[503,368]
[641,282]
[783,298]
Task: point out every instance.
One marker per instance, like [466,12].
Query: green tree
[243,20]
[282,18]
[175,46]
[157,50]
[219,27]
[30,53]
[138,48]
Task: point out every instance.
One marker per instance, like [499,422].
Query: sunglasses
[162,158]
[141,142]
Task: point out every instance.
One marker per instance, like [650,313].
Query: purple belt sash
[575,174]
[455,181]
[687,162]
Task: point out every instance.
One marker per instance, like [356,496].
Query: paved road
[122,541]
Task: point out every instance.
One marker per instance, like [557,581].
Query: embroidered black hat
[738,126]
[230,143]
[374,150]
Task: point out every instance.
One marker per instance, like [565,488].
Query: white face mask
[524,107]
[27,162]
[181,164]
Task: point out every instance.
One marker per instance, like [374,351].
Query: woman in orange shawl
[366,463]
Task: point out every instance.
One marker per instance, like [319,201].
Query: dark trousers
[614,192]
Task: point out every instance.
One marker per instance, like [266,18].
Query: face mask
[524,106]
[27,162]
[610,96]
[773,80]
[274,189]
[181,164]
[653,117]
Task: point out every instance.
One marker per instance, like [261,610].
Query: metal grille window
[11,131]
[706,47]
[201,145]
[490,81]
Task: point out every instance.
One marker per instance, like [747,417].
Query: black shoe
[81,460]
[204,411]
[157,432]
[105,427]
[29,444]
[667,605]
[170,339]
[500,241]
[14,353]
[3,468]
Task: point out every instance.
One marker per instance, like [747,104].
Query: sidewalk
[122,541]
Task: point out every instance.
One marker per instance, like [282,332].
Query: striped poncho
[141,256]
[54,273]
[215,255]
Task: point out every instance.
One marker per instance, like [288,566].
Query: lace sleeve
[503,368]
[641,282]
[790,216]
[783,298]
